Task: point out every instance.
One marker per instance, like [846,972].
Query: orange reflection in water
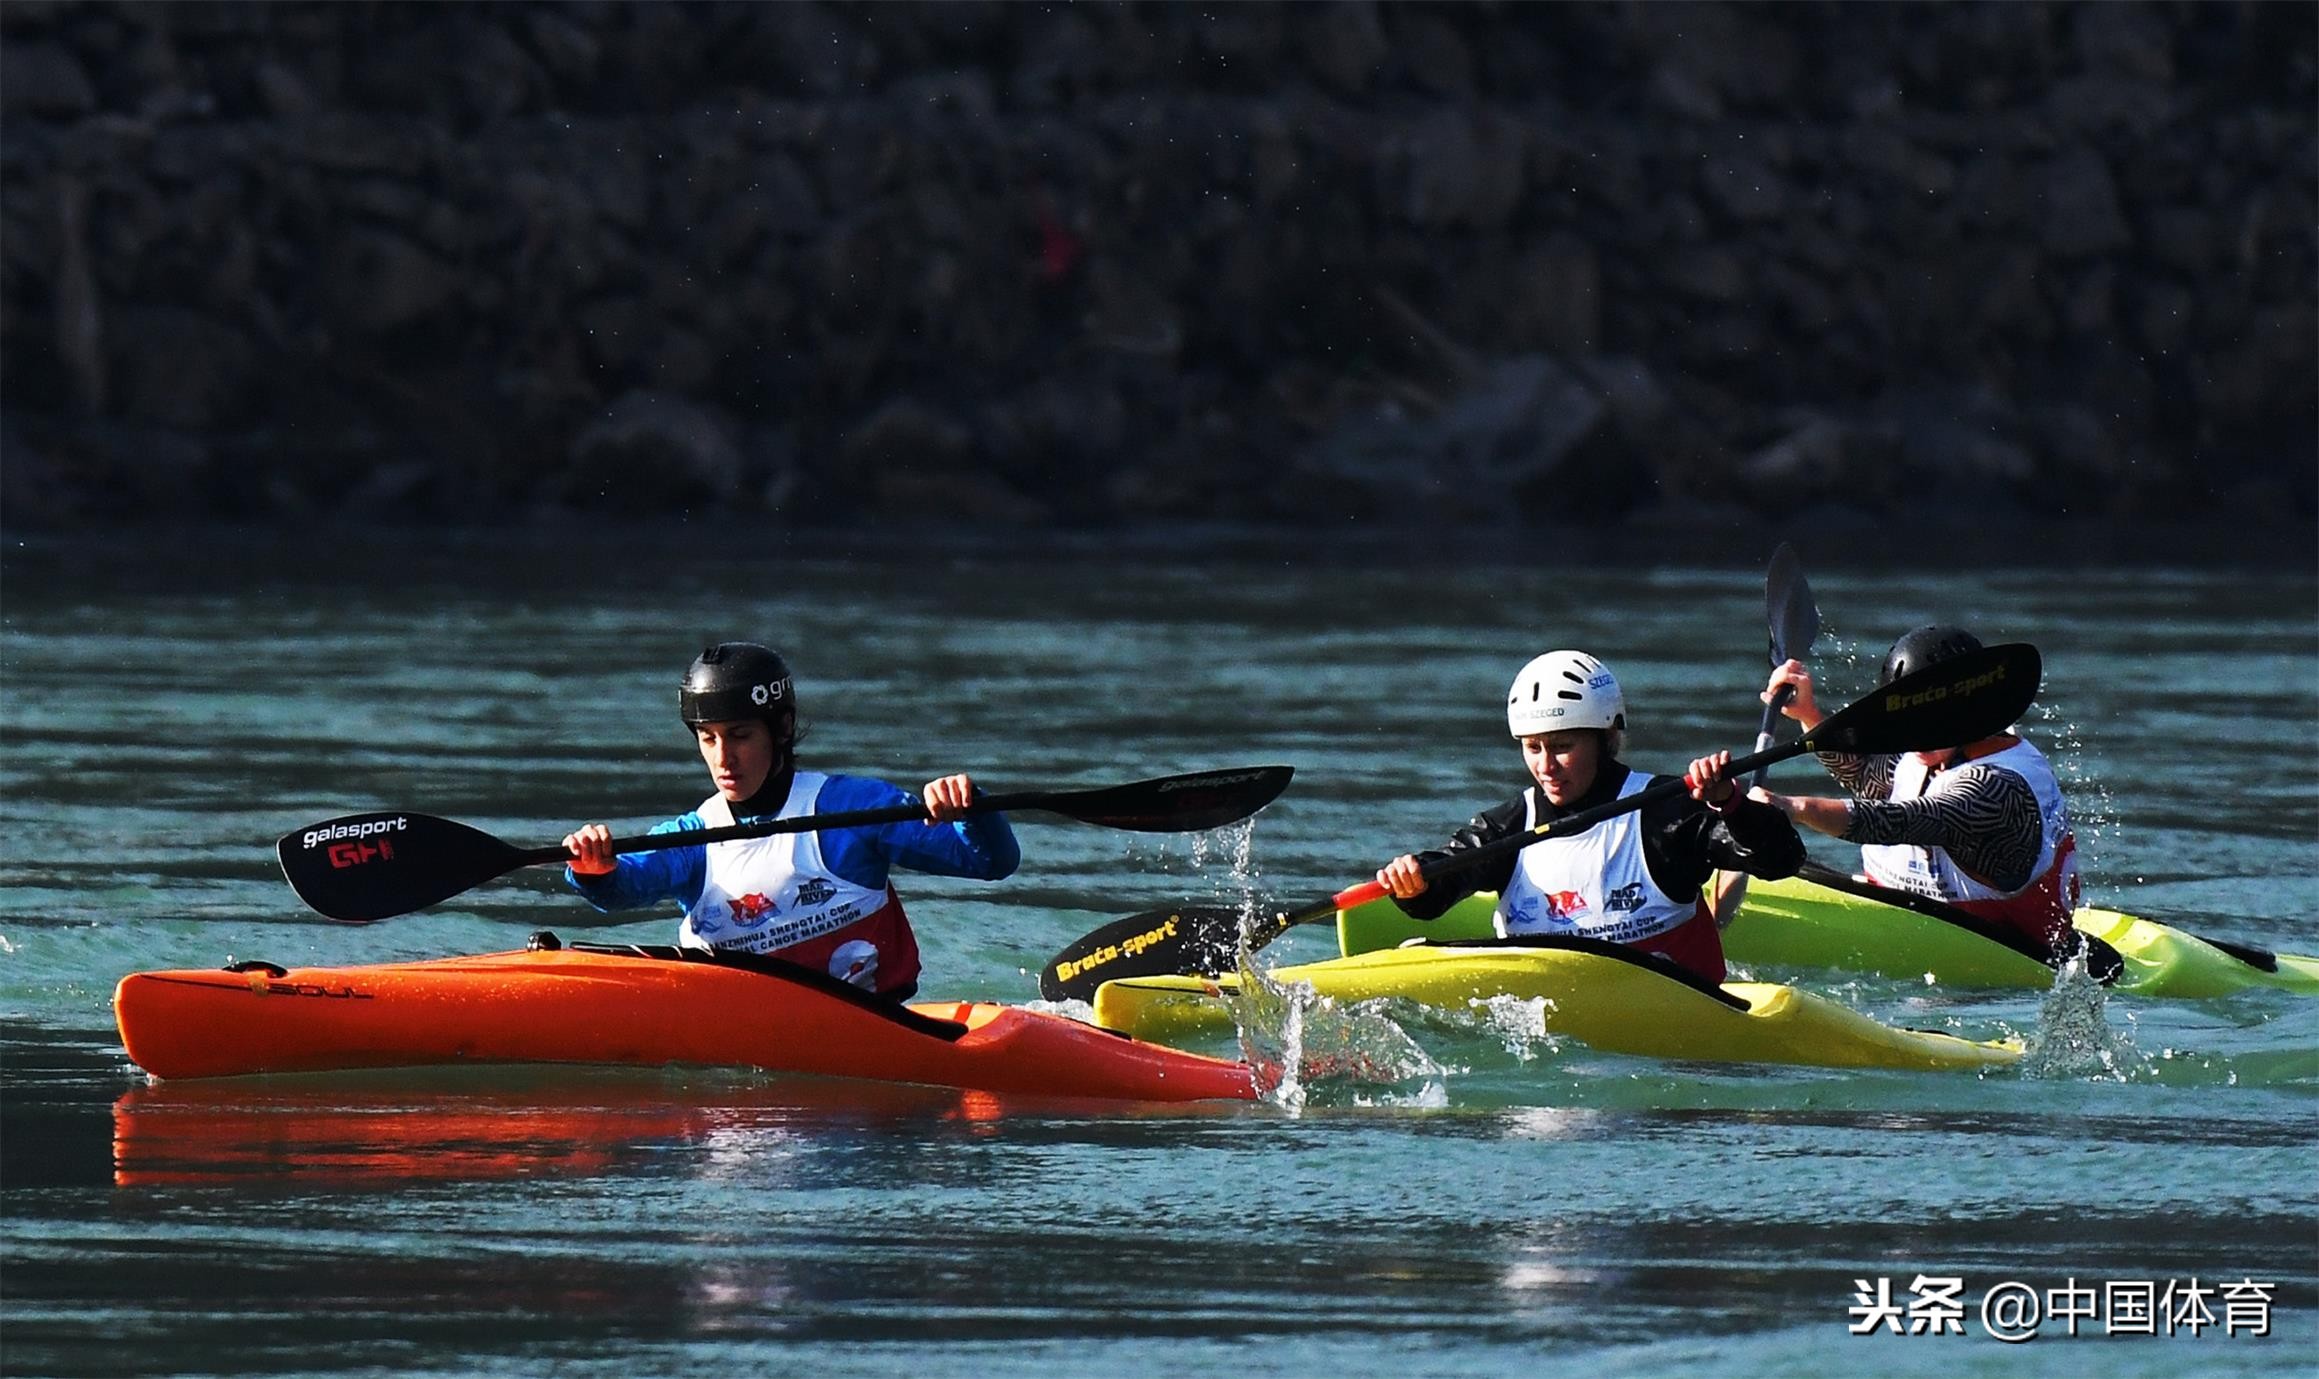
[504,1122]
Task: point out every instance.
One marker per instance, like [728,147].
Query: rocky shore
[1042,266]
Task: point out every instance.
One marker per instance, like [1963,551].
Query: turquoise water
[1495,1203]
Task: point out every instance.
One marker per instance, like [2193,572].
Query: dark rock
[906,434]
[43,79]
[2124,40]
[380,281]
[1819,457]
[1555,295]
[1744,188]
[1438,57]
[2078,200]
[649,453]
[1344,44]
[181,370]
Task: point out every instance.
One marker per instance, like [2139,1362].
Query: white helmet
[1565,689]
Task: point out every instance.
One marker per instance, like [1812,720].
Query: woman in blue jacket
[819,899]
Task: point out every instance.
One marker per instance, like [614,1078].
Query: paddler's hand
[1708,786]
[591,849]
[1792,675]
[948,798]
[1401,878]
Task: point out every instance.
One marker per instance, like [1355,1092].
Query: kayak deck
[1612,1003]
[642,1006]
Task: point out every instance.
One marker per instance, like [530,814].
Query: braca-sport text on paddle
[363,867]
[1944,705]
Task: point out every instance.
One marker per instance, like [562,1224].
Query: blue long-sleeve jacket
[980,846]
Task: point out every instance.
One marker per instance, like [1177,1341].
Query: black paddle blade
[362,867]
[1190,938]
[1788,607]
[1191,803]
[1947,704]
[1794,620]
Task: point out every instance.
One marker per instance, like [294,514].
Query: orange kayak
[636,1005]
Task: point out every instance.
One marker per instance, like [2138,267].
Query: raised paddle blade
[1794,619]
[1788,607]
[1191,803]
[1947,704]
[361,867]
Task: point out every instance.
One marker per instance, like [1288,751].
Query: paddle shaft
[1771,717]
[1083,805]
[766,828]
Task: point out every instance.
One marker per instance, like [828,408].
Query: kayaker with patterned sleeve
[821,899]
[1982,826]
[1635,878]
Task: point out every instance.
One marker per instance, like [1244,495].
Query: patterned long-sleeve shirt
[1984,817]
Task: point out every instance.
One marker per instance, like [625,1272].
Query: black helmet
[735,680]
[1929,645]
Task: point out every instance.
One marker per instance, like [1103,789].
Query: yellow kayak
[1617,1001]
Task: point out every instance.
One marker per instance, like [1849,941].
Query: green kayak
[1799,923]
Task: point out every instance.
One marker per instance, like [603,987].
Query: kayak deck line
[632,1006]
[1611,1003]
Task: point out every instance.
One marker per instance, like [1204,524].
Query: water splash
[1305,1044]
[1519,1024]
[2093,809]
[1233,845]
[2073,1038]
[1232,842]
